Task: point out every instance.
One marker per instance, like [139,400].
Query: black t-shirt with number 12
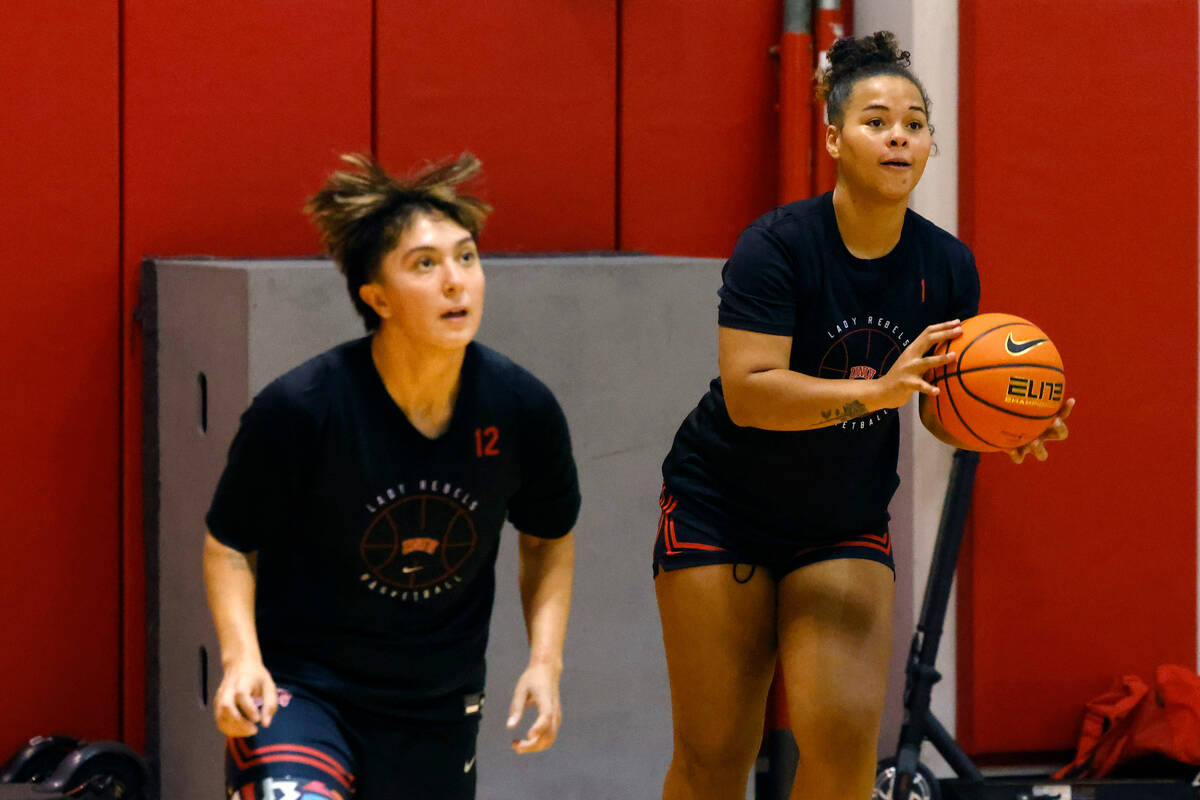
[377,545]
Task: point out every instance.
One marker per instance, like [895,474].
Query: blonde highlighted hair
[362,213]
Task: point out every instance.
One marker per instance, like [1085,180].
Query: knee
[714,758]
[839,729]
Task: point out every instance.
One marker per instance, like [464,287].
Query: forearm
[545,577]
[229,581]
[783,400]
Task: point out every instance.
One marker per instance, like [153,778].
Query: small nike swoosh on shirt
[1015,348]
[407,570]
[467,766]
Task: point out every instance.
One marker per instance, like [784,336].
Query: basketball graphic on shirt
[419,541]
[864,353]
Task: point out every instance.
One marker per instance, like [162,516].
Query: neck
[871,227]
[423,383]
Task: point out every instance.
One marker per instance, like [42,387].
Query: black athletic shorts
[314,751]
[681,544]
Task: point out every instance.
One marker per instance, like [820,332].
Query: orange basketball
[1006,386]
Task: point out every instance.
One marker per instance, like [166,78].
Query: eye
[916,125]
[875,122]
[468,256]
[426,262]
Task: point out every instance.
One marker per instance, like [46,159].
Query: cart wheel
[107,770]
[924,785]
[39,757]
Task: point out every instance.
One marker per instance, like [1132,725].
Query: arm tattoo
[849,411]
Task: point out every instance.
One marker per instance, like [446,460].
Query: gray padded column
[218,332]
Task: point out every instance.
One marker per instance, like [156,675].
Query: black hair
[362,214]
[851,60]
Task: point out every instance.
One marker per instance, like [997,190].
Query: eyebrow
[459,243]
[881,107]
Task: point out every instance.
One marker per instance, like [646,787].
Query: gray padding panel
[627,344]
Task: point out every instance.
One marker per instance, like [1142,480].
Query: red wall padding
[527,85]
[1078,195]
[234,113]
[642,126]
[58,343]
[698,122]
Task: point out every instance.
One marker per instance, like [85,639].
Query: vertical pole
[778,756]
[795,102]
[827,28]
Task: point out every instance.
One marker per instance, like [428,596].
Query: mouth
[896,162]
[456,313]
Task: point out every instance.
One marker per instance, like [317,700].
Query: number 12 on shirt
[485,441]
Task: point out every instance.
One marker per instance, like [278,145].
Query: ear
[833,141]
[373,295]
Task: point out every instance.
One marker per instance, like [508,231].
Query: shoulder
[788,237]
[950,267]
[791,221]
[939,240]
[507,380]
[306,390]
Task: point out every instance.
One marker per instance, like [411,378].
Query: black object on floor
[47,770]
[38,759]
[904,777]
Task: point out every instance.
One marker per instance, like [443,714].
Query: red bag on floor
[1133,722]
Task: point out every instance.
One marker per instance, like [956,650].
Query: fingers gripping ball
[1005,387]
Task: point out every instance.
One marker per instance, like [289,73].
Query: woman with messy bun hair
[353,535]
[773,542]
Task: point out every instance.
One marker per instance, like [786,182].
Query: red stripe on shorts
[666,529]
[244,758]
[298,748]
[881,543]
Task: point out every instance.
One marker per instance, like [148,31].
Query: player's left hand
[1056,432]
[537,686]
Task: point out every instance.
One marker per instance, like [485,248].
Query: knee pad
[285,789]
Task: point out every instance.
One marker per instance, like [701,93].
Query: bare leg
[835,642]
[720,641]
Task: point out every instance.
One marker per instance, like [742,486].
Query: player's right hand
[245,699]
[908,374]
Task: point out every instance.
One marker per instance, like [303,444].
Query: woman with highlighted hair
[773,542]
[353,534]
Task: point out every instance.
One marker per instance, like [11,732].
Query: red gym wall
[59,334]
[1078,130]
[137,128]
[134,127]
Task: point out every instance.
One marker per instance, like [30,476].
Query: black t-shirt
[377,545]
[791,275]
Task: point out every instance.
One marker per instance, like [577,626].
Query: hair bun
[851,60]
[850,55]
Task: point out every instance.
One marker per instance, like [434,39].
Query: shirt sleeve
[758,290]
[263,478]
[547,503]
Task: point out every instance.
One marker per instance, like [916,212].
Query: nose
[454,274]
[899,137]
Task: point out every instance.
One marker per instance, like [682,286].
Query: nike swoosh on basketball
[1015,348]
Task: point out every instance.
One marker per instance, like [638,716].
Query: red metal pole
[778,757]
[777,718]
[795,102]
[827,28]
